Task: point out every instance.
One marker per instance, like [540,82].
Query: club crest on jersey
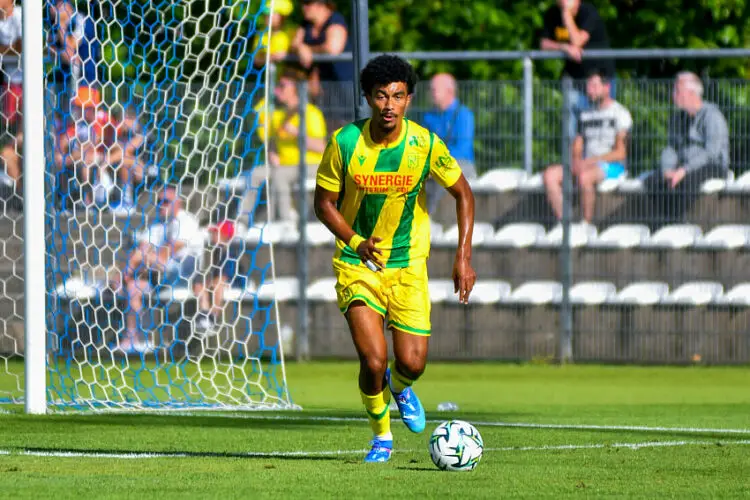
[415,141]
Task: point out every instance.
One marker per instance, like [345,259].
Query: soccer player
[370,194]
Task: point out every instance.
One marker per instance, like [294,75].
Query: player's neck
[385,137]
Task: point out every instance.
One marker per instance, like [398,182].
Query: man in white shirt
[166,256]
[599,149]
[11,29]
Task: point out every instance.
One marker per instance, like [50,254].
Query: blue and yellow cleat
[409,406]
[380,452]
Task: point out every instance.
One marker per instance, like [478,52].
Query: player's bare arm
[328,214]
[464,276]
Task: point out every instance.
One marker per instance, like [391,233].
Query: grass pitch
[642,433]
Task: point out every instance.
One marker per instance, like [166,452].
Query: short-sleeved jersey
[381,189]
[287,146]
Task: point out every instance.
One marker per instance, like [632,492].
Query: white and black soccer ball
[456,445]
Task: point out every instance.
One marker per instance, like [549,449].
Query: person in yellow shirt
[281,36]
[370,193]
[283,151]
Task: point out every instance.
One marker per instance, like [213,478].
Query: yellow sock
[399,381]
[378,412]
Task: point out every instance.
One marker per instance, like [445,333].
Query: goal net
[160,284]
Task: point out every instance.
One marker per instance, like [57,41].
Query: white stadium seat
[580,234]
[610,185]
[695,293]
[283,289]
[440,290]
[592,292]
[635,185]
[436,231]
[739,185]
[518,235]
[273,232]
[535,183]
[75,288]
[319,234]
[485,292]
[737,296]
[716,185]
[674,236]
[482,232]
[232,294]
[499,180]
[642,293]
[310,185]
[725,237]
[536,292]
[170,295]
[323,290]
[621,236]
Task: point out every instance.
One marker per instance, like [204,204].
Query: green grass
[698,397]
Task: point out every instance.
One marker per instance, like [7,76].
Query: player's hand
[368,251]
[464,278]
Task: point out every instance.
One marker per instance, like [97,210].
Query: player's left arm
[444,168]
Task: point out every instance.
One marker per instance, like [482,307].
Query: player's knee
[375,365]
[412,364]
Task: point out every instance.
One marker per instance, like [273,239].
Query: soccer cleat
[380,452]
[409,406]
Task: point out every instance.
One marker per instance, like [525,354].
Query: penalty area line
[337,453]
[526,425]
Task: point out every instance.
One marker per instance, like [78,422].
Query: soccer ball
[456,445]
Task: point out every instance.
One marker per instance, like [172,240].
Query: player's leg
[136,289]
[553,178]
[409,319]
[357,291]
[366,328]
[587,182]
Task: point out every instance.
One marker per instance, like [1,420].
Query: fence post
[302,350]
[528,107]
[566,264]
[361,52]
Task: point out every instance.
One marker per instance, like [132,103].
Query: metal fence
[638,286]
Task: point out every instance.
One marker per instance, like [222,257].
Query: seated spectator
[281,36]
[694,154]
[10,45]
[220,275]
[125,156]
[599,148]
[166,256]
[283,152]
[78,151]
[454,124]
[325,31]
[77,54]
[12,163]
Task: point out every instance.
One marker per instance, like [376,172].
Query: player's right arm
[329,186]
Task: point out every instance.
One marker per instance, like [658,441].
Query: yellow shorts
[400,294]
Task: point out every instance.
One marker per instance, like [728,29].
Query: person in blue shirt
[454,124]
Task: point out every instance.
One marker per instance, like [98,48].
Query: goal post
[148,280]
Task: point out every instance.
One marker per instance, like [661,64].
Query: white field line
[526,425]
[334,453]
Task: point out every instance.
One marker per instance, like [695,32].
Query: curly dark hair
[386,69]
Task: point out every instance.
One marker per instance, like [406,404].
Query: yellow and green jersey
[381,189]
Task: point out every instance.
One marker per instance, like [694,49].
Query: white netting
[156,296]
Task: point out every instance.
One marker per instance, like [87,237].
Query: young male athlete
[370,194]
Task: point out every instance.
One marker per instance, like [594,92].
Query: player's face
[389,103]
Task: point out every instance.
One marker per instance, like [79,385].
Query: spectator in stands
[454,124]
[221,273]
[166,256]
[572,26]
[694,153]
[12,163]
[325,31]
[284,153]
[125,157]
[599,148]
[77,53]
[281,36]
[10,45]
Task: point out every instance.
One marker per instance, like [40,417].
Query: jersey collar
[373,145]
